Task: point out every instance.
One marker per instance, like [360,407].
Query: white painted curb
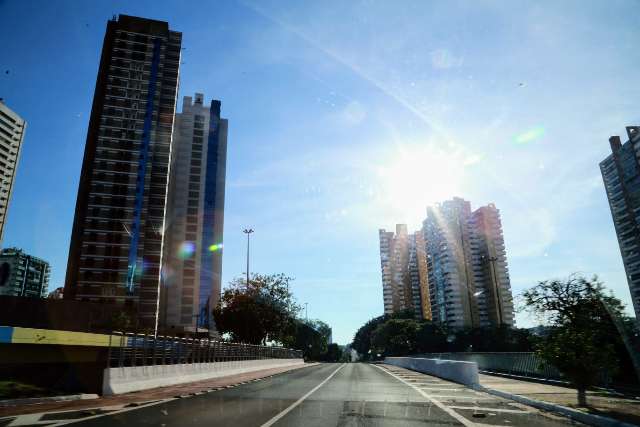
[591,419]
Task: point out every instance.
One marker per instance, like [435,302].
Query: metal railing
[147,350]
[524,364]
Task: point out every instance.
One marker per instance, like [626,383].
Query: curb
[36,400]
[591,419]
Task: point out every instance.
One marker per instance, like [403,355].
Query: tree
[306,338]
[395,337]
[431,338]
[260,310]
[362,339]
[581,341]
[333,354]
[321,327]
[501,338]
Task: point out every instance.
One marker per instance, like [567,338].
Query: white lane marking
[442,396]
[119,411]
[275,419]
[508,411]
[430,398]
[27,420]
[440,388]
[144,405]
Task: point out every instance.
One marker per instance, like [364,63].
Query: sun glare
[416,177]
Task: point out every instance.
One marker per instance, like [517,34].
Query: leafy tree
[395,337]
[362,339]
[502,338]
[581,343]
[321,327]
[306,338]
[261,310]
[431,338]
[333,354]
[121,321]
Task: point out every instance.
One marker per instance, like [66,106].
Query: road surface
[354,394]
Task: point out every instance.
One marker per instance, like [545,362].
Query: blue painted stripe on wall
[142,171]
[6,333]
[208,218]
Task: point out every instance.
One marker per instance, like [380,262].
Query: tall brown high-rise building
[404,272]
[467,265]
[117,238]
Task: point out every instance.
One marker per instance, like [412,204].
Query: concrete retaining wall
[460,372]
[134,378]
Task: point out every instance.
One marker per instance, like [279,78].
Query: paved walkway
[121,400]
[611,405]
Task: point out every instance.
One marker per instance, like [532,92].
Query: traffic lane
[363,395]
[250,404]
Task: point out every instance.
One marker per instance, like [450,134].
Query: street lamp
[492,260]
[248,232]
[306,313]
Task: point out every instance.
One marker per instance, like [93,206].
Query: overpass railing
[524,364]
[146,350]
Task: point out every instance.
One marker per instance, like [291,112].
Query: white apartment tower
[12,128]
[447,235]
[195,215]
[467,265]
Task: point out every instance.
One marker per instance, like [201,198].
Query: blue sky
[346,117]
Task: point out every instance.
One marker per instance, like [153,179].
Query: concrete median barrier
[135,378]
[460,372]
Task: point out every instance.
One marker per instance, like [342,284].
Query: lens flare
[166,272]
[186,251]
[215,248]
[529,136]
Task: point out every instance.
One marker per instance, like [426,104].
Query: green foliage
[306,338]
[580,353]
[321,327]
[15,389]
[431,338]
[502,338]
[395,337]
[121,321]
[261,310]
[584,342]
[559,301]
[420,336]
[362,340]
[333,354]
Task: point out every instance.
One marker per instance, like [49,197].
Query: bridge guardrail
[148,350]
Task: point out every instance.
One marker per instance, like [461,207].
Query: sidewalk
[603,403]
[145,395]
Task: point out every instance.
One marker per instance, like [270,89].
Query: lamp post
[248,232]
[492,260]
[306,313]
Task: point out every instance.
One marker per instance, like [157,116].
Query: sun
[416,176]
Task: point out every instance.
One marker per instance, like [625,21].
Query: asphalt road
[335,395]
